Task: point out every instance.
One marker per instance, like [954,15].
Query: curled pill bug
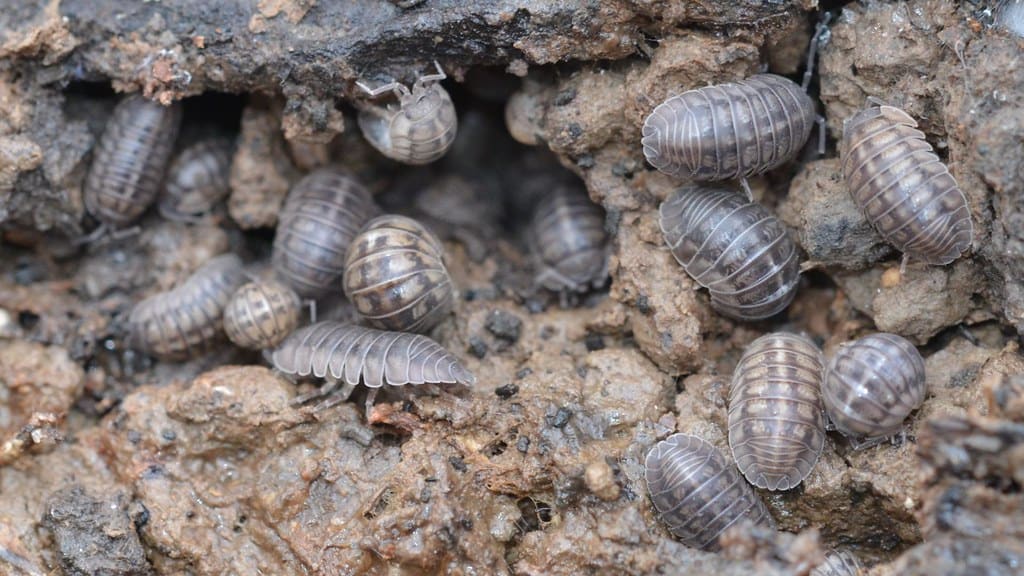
[567,241]
[871,386]
[776,415]
[197,180]
[186,320]
[420,130]
[322,214]
[733,247]
[261,314]
[395,276]
[698,494]
[839,563]
[903,189]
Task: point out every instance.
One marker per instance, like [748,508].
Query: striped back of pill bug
[421,130]
[186,320]
[873,384]
[130,160]
[395,276]
[733,247]
[697,493]
[776,415]
[323,213]
[374,357]
[839,563]
[902,187]
[731,130]
[568,242]
[197,179]
[261,314]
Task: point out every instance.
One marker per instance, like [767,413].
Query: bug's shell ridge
[262,314]
[420,130]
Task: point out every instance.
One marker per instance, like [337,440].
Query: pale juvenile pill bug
[839,563]
[697,493]
[567,241]
[872,385]
[902,187]
[420,130]
[197,179]
[733,247]
[395,276]
[776,414]
[261,314]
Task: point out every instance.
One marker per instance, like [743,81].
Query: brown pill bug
[129,162]
[323,213]
[697,493]
[568,243]
[733,247]
[420,130]
[261,314]
[776,415]
[186,320]
[902,187]
[872,385]
[839,563]
[395,276]
[197,179]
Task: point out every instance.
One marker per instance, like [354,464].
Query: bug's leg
[91,236]
[336,396]
[311,304]
[331,385]
[873,101]
[820,120]
[125,233]
[903,263]
[371,395]
[433,77]
[967,335]
[746,188]
[820,37]
[858,444]
[397,87]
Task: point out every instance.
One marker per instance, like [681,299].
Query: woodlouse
[839,563]
[262,314]
[776,415]
[420,130]
[568,242]
[733,247]
[902,187]
[697,493]
[323,213]
[872,384]
[186,320]
[395,276]
[197,179]
[130,160]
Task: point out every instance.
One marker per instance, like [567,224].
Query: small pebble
[458,463]
[503,325]
[561,418]
[593,342]
[477,347]
[507,391]
[600,480]
[523,444]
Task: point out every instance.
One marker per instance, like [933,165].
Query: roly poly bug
[697,493]
[130,160]
[420,130]
[395,276]
[839,563]
[186,320]
[733,247]
[872,384]
[321,216]
[197,179]
[902,187]
[345,355]
[568,243]
[776,415]
[261,314]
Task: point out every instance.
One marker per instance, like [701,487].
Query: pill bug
[776,415]
[321,216]
[872,385]
[902,187]
[261,314]
[697,493]
[395,276]
[839,563]
[568,242]
[420,130]
[186,320]
[733,247]
[130,160]
[197,179]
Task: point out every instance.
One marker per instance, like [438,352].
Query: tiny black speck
[507,391]
[477,347]
[561,418]
[593,342]
[458,463]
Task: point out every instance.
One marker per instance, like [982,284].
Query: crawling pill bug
[395,276]
[902,187]
[129,162]
[186,320]
[420,130]
[733,247]
[872,385]
[262,314]
[197,179]
[697,493]
[839,563]
[568,243]
[776,415]
[323,213]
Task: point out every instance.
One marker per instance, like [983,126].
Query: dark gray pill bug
[733,247]
[872,385]
[261,314]
[839,563]
[197,180]
[568,243]
[186,321]
[323,213]
[731,130]
[697,493]
[776,415]
[129,162]
[902,187]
